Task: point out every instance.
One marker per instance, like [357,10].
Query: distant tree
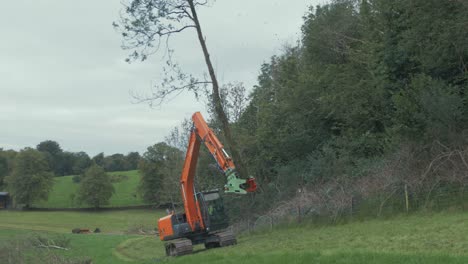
[159,167]
[64,163]
[115,162]
[31,179]
[95,188]
[53,153]
[9,156]
[3,169]
[77,178]
[132,160]
[49,146]
[81,162]
[98,159]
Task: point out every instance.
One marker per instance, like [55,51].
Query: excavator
[204,220]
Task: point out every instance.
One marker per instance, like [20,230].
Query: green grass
[336,257]
[99,247]
[419,238]
[102,247]
[126,191]
[64,190]
[439,238]
[64,222]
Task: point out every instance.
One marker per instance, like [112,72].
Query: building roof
[4,193]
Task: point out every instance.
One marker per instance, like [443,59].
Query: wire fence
[335,208]
[404,184]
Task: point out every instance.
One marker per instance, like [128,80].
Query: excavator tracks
[184,246]
[179,247]
[226,238]
[220,239]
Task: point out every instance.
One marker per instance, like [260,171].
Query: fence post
[300,195]
[299,213]
[406,198]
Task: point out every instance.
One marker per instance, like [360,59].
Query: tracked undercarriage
[184,246]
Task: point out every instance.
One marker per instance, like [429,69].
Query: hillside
[440,238]
[125,184]
[421,238]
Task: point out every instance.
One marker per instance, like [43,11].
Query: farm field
[62,194]
[117,227]
[115,222]
[419,238]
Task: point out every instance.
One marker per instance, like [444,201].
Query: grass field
[102,247]
[115,222]
[438,238]
[64,190]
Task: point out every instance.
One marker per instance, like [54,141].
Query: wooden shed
[5,201]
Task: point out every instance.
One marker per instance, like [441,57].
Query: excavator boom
[234,183]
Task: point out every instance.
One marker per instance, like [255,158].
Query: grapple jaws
[251,185]
[237,185]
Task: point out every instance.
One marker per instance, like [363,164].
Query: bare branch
[52,246]
[164,94]
[145,22]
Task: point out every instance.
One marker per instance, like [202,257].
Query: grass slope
[425,238]
[64,190]
[440,238]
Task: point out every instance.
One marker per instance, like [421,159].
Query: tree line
[62,163]
[31,180]
[29,174]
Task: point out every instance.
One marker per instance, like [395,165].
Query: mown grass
[64,192]
[64,222]
[312,256]
[101,247]
[419,238]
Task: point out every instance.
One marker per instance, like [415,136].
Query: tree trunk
[217,99]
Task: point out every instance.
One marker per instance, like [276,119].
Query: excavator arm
[224,161]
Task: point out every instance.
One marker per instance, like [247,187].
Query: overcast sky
[63,76]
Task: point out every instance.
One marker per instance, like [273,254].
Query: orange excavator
[204,220]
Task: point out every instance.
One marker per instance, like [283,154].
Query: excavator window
[212,209]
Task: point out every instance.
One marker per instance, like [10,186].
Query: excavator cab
[212,210]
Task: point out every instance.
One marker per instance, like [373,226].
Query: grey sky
[63,75]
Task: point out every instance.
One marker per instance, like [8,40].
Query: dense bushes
[356,114]
[370,81]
